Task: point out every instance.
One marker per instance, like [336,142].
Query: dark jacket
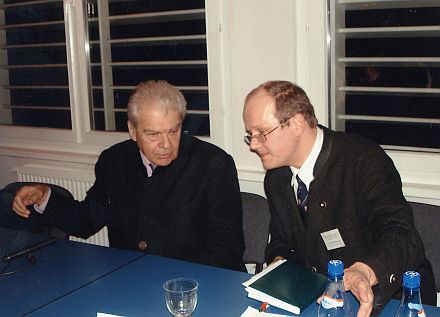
[356,189]
[190,209]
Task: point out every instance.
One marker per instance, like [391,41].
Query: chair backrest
[427,221]
[255,228]
[9,219]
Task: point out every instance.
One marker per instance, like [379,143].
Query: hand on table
[359,278]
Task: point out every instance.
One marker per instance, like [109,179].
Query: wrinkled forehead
[157,118]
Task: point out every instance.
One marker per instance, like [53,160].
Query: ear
[299,123]
[131,130]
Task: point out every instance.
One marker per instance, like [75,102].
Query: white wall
[262,40]
[262,45]
[275,40]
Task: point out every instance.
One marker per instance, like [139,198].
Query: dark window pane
[416,77]
[400,134]
[196,124]
[121,121]
[197,100]
[98,99]
[179,76]
[99,122]
[395,77]
[35,48]
[34,13]
[96,76]
[36,35]
[393,47]
[93,31]
[175,28]
[42,118]
[37,56]
[140,6]
[395,106]
[40,97]
[95,52]
[121,98]
[393,17]
[152,39]
[170,51]
[38,76]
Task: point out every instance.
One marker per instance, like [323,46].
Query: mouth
[163,157]
[166,156]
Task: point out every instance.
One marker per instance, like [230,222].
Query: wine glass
[181,296]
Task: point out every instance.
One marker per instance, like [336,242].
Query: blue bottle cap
[335,268]
[411,279]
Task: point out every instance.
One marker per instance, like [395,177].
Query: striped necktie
[302,194]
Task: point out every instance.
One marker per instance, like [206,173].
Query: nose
[255,144]
[165,140]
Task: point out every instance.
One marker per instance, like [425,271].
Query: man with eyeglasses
[333,195]
[162,192]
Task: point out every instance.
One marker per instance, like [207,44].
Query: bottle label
[419,308]
[330,302]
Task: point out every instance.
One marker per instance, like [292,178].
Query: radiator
[77,181]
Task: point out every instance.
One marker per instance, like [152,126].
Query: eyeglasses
[262,137]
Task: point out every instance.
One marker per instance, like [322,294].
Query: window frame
[339,90]
[419,171]
[81,138]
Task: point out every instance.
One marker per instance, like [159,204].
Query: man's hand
[276,259]
[359,278]
[29,195]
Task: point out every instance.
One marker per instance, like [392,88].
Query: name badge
[332,239]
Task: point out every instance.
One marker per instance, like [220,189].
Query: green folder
[287,285]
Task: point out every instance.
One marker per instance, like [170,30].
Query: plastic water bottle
[411,302]
[334,302]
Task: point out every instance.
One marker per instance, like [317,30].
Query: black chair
[427,221]
[255,228]
[9,219]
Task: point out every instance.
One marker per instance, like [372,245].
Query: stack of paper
[286,285]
